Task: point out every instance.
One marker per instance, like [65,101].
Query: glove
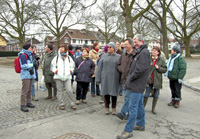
[56,71]
[180,81]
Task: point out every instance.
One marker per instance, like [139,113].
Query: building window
[81,41]
[86,41]
[74,40]
[92,41]
[66,40]
[102,42]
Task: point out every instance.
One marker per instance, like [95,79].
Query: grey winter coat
[108,75]
[48,74]
[139,71]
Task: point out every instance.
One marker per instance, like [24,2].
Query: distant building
[79,38]
[3,43]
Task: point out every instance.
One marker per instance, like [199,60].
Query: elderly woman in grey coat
[109,77]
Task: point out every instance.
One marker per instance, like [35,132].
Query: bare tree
[128,7]
[185,26]
[106,19]
[58,15]
[15,16]
[158,16]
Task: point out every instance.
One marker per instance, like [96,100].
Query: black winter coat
[139,71]
[85,71]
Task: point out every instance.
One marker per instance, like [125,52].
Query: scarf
[97,50]
[170,63]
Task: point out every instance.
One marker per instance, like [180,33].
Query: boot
[106,111]
[172,103]
[113,111]
[24,108]
[176,103]
[145,99]
[49,93]
[154,105]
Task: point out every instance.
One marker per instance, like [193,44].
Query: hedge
[192,51]
[8,53]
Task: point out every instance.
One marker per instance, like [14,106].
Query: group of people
[128,66]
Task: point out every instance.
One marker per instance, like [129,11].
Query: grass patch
[8,61]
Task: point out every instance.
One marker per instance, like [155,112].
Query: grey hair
[130,41]
[139,37]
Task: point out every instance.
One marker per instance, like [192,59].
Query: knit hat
[112,44]
[177,49]
[106,48]
[70,47]
[27,46]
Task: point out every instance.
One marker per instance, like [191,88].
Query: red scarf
[97,50]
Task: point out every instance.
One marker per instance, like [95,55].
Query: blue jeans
[33,88]
[125,106]
[121,89]
[136,111]
[148,91]
[93,87]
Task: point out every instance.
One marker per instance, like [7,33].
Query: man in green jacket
[48,74]
[176,70]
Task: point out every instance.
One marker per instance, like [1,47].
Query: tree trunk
[187,47]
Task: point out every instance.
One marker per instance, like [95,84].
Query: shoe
[126,117]
[30,105]
[98,94]
[24,109]
[93,95]
[53,98]
[140,128]
[62,107]
[84,101]
[176,105]
[107,111]
[73,107]
[113,111]
[125,135]
[48,98]
[77,102]
[120,116]
[102,100]
[172,103]
[34,98]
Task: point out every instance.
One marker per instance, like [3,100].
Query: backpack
[17,64]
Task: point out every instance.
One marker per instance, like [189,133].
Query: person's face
[62,50]
[29,49]
[34,49]
[84,53]
[111,50]
[173,52]
[78,50]
[127,46]
[117,45]
[47,48]
[155,52]
[97,46]
[137,43]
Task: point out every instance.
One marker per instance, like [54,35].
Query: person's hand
[63,57]
[70,72]
[56,71]
[97,83]
[156,66]
[180,81]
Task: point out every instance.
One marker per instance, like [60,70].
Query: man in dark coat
[48,74]
[135,86]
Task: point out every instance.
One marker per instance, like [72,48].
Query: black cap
[27,46]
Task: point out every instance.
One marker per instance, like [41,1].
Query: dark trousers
[175,89]
[81,90]
[49,88]
[93,87]
[107,101]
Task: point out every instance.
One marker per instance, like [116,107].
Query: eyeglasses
[109,47]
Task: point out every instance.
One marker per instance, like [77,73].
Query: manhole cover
[74,136]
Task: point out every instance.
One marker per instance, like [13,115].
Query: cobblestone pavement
[10,113]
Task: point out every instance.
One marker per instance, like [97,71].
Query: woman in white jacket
[63,66]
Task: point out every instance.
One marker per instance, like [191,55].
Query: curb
[191,87]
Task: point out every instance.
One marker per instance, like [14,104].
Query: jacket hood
[24,51]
